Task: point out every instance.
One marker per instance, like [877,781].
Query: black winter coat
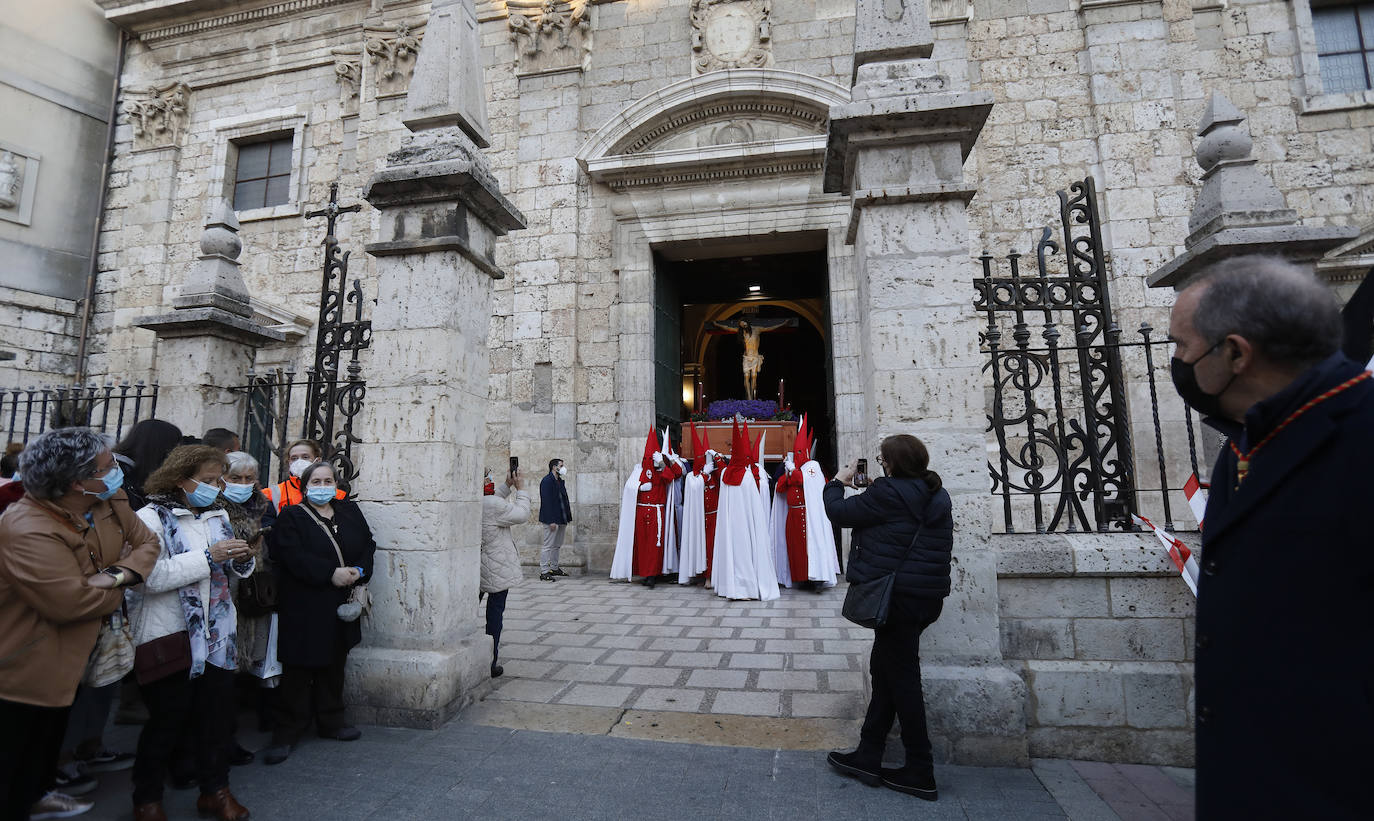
[885,518]
[303,559]
[1285,614]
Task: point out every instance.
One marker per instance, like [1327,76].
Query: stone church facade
[634,135]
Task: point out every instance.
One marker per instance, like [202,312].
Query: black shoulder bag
[867,604]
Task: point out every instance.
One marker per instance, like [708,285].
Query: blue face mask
[203,496]
[320,494]
[113,480]
[238,494]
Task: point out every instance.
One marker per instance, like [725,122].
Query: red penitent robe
[649,518]
[711,491]
[791,484]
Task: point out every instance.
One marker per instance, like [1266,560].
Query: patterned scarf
[216,644]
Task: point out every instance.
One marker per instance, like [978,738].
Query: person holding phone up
[902,525]
[320,550]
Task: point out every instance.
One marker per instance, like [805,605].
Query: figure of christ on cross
[749,333]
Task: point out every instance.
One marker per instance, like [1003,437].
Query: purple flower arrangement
[748,408]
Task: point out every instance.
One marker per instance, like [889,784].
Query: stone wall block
[1036,638]
[1155,700]
[1053,598]
[1151,597]
[1129,639]
[1068,694]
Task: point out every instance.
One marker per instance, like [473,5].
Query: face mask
[238,494]
[113,480]
[203,496]
[562,471]
[298,467]
[320,494]
[1185,382]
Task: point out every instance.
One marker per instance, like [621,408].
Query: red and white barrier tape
[1197,498]
[1178,552]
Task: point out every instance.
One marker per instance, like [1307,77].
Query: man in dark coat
[555,512]
[1285,626]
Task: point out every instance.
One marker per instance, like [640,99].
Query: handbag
[867,604]
[359,601]
[157,659]
[113,655]
[258,595]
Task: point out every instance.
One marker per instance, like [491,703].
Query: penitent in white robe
[743,564]
[822,565]
[623,561]
[692,556]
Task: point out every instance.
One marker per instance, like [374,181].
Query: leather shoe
[276,754]
[152,811]
[861,767]
[911,782]
[342,734]
[223,806]
[497,671]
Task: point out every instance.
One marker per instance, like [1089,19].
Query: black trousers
[30,741]
[302,688]
[895,666]
[496,614]
[202,708]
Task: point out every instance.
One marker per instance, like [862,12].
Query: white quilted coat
[500,559]
[161,613]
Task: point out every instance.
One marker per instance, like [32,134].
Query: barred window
[262,176]
[1345,46]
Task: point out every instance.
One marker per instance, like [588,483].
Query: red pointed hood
[698,452]
[801,448]
[746,451]
[650,448]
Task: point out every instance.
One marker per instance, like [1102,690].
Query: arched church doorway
[780,287]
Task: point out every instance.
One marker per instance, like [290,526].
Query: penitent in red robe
[712,494]
[791,488]
[650,517]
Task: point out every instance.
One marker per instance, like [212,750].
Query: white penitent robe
[778,521]
[692,555]
[743,564]
[821,562]
[623,561]
[671,527]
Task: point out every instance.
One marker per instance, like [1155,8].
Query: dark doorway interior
[791,284]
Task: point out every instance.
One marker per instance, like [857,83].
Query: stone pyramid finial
[221,234]
[448,88]
[214,279]
[891,30]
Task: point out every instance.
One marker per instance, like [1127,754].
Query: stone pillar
[207,343]
[1239,210]
[898,150]
[425,653]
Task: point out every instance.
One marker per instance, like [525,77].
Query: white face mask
[562,470]
[298,467]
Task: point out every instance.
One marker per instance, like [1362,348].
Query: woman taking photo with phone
[902,525]
[185,633]
[321,552]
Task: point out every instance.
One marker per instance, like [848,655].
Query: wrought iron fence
[112,408]
[1041,466]
[274,400]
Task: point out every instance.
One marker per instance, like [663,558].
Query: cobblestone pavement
[588,641]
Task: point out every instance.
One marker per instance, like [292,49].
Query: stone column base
[417,688]
[975,715]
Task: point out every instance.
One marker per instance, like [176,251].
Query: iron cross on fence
[332,210]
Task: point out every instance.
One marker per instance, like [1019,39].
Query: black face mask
[1185,382]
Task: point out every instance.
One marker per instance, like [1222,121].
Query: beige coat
[49,615]
[500,559]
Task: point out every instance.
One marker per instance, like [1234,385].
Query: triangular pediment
[732,123]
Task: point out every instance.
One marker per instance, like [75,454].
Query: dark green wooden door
[667,351]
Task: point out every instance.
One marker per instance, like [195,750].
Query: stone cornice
[797,155]
[149,20]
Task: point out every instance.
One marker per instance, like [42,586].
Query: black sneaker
[59,805]
[276,754]
[105,761]
[866,770]
[546,577]
[497,671]
[911,782]
[71,779]
[558,571]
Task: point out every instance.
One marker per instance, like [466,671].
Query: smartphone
[861,473]
[514,465]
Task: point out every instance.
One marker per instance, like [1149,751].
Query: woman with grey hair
[251,514]
[62,569]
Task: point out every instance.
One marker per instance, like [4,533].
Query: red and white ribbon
[1197,498]
[1178,552]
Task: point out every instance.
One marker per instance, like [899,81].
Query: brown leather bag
[157,659]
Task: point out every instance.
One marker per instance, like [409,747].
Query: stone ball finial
[1224,137]
[221,234]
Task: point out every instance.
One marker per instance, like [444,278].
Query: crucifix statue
[749,332]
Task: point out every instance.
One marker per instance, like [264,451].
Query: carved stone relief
[18,182]
[157,114]
[731,34]
[950,11]
[392,50]
[348,70]
[550,35]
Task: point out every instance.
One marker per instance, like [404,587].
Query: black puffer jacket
[885,518]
